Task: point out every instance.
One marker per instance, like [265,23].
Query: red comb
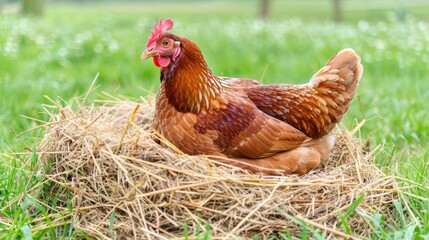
[159,29]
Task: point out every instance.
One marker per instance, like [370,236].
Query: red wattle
[155,61]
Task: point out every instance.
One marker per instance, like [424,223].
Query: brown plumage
[268,129]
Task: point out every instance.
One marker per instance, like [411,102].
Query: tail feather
[349,67]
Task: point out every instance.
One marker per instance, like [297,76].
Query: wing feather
[316,107]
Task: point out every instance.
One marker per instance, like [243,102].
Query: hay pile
[126,186]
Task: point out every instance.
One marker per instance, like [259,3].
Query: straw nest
[124,185]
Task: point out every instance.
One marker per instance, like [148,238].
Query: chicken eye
[166,43]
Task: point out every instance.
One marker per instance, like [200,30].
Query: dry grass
[127,186]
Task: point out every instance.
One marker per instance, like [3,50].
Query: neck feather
[190,85]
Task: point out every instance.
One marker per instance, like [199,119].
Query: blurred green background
[59,48]
[60,52]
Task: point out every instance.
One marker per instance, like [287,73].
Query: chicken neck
[190,85]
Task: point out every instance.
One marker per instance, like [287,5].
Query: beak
[147,54]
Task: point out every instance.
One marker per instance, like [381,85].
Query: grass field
[60,54]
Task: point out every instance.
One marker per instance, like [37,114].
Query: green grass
[60,54]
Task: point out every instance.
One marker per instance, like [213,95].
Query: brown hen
[267,129]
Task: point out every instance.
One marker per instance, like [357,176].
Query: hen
[267,129]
